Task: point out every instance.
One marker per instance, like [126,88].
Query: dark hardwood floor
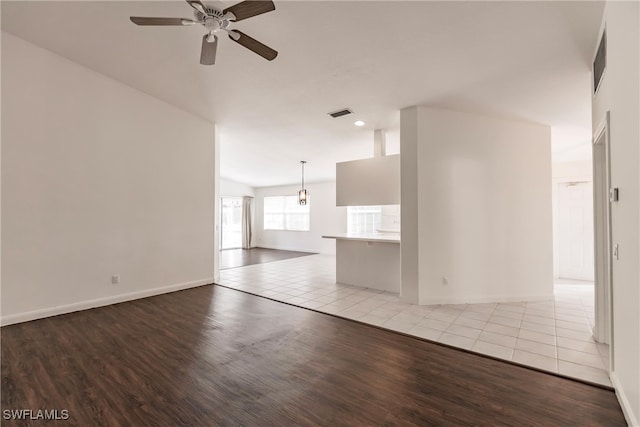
[232,258]
[214,356]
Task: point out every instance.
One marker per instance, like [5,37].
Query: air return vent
[341,113]
[600,62]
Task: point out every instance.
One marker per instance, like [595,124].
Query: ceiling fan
[216,21]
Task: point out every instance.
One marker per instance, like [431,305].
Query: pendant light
[303,195]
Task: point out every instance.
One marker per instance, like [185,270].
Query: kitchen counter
[370,260]
[367,237]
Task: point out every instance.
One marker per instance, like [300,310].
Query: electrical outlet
[115,279]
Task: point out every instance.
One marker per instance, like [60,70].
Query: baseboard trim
[99,302]
[624,401]
[288,248]
[485,299]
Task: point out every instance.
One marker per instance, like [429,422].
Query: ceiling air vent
[341,113]
[600,62]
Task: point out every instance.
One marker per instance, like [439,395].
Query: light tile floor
[552,335]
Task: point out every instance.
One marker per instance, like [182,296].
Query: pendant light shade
[303,194]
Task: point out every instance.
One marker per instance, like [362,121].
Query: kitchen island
[371,260]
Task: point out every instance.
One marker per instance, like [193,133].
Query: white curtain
[246,222]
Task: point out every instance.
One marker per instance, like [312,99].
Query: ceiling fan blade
[197,5]
[253,45]
[250,8]
[208,54]
[140,20]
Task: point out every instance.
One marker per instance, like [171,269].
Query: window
[364,219]
[284,213]
[600,62]
[231,230]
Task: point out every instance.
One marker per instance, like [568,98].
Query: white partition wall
[476,208]
[369,263]
[374,181]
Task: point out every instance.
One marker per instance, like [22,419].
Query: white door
[575,230]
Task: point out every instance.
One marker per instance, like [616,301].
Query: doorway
[231,223]
[603,327]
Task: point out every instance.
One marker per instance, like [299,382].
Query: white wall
[619,93]
[325,218]
[482,188]
[565,172]
[97,179]
[572,170]
[230,188]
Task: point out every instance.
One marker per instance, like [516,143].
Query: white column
[379,143]
[409,242]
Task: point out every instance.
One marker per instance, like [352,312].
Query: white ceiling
[522,60]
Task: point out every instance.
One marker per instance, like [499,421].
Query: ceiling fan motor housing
[214,21]
[211,12]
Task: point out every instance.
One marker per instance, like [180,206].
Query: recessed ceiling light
[358,123]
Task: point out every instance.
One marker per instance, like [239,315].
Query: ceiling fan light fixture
[216,21]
